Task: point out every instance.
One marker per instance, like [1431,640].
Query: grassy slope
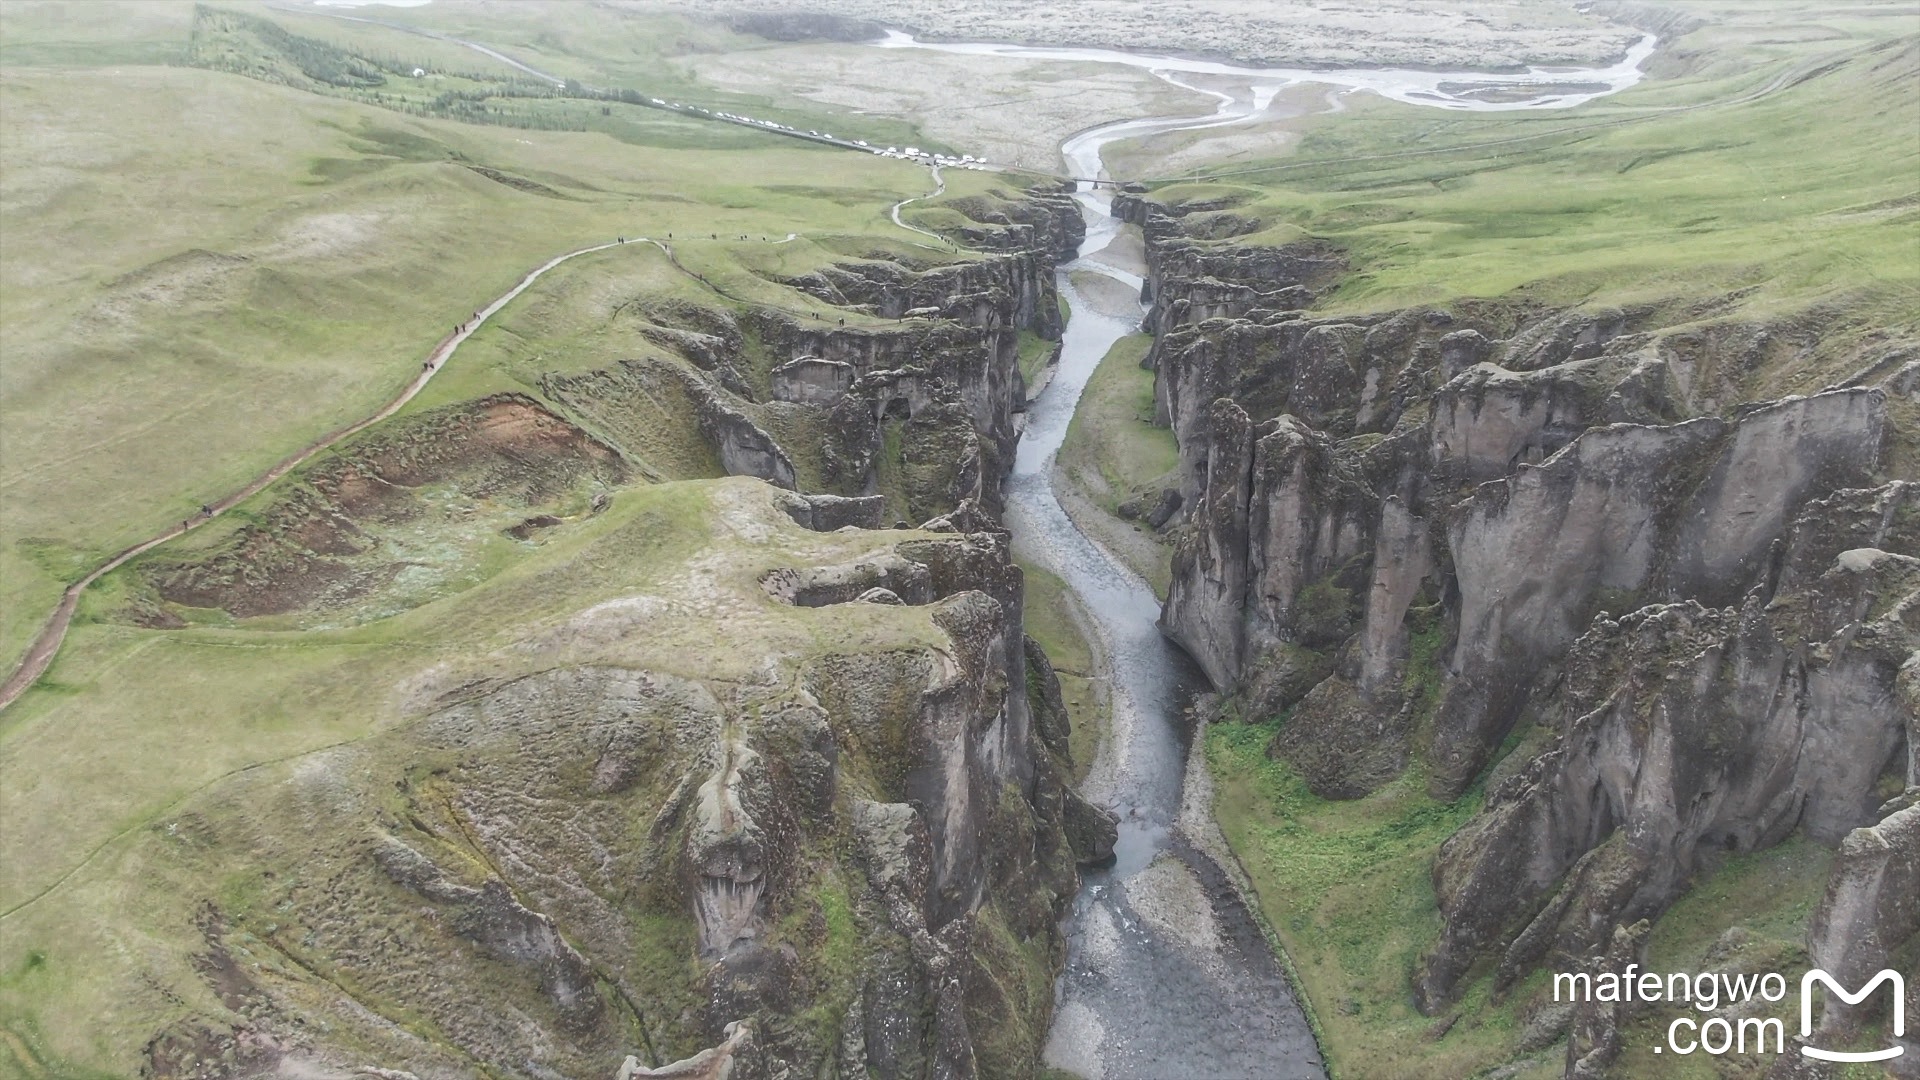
[605,48]
[1804,200]
[1113,453]
[1036,353]
[1112,448]
[106,32]
[1055,619]
[1347,887]
[361,241]
[344,239]
[206,271]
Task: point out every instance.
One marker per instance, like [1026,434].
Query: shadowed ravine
[1154,986]
[1167,974]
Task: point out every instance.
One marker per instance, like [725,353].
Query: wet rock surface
[1172,945]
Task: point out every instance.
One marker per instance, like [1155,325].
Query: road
[939,189]
[39,655]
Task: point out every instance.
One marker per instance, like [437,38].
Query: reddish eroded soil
[320,545]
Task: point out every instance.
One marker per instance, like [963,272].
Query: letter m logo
[1887,975]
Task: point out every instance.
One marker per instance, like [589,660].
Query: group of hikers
[458,329]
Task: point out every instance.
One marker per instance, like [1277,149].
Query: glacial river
[1167,974]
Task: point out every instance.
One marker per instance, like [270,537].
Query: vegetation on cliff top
[152,738]
[1703,185]
[1115,456]
[203,300]
[1055,619]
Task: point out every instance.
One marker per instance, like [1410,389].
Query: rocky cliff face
[942,386]
[851,862]
[1680,729]
[921,396]
[1426,533]
[1044,219]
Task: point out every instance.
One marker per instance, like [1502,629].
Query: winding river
[1167,973]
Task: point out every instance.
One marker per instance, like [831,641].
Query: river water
[1534,88]
[1167,976]
[1167,973]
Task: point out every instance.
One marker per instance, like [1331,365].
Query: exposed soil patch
[191,278]
[410,501]
[518,183]
[534,526]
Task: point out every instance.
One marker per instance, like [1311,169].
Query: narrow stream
[1167,973]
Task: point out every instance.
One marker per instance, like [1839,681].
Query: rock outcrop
[1044,219]
[852,860]
[1593,1037]
[1872,906]
[1680,730]
[848,856]
[1624,511]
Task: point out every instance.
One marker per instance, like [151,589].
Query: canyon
[663,694]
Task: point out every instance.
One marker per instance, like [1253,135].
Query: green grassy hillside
[167,770]
[205,271]
[229,234]
[1114,457]
[1783,183]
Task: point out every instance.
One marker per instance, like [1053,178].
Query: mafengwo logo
[1708,993]
[1887,975]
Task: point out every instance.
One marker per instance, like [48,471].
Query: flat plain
[1327,33]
